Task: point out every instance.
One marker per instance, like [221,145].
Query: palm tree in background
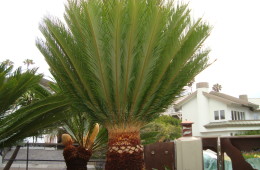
[28,62]
[8,62]
[123,63]
[217,87]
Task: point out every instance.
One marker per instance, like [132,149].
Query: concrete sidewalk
[16,166]
[41,167]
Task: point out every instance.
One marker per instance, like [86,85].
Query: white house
[218,114]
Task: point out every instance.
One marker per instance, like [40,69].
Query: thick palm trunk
[125,151]
[76,158]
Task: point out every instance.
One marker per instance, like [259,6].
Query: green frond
[13,85]
[78,126]
[124,61]
[29,120]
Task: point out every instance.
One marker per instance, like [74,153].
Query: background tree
[124,62]
[28,62]
[163,128]
[8,62]
[217,87]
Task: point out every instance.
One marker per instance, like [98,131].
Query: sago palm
[80,129]
[124,62]
[14,84]
[89,137]
[18,121]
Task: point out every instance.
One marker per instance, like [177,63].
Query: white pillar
[189,153]
[1,160]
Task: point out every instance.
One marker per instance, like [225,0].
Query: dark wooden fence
[161,155]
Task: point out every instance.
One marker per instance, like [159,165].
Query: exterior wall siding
[190,113]
[203,110]
[215,105]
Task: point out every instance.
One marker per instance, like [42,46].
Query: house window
[222,114]
[243,116]
[255,116]
[216,114]
[219,114]
[236,115]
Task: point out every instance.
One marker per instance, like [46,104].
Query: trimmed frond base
[76,158]
[125,151]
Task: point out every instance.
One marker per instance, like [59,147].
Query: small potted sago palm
[77,157]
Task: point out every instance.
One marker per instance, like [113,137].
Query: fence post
[189,153]
[220,155]
[27,156]
[1,157]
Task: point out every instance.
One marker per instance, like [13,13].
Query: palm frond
[78,126]
[14,84]
[124,62]
[29,120]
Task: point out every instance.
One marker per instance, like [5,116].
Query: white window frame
[217,114]
[237,115]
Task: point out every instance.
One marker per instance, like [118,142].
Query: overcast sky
[234,40]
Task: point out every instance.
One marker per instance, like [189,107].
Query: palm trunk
[76,158]
[11,160]
[125,151]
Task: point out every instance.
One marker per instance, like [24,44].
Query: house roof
[218,96]
[233,123]
[234,99]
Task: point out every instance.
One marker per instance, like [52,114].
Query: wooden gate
[159,156]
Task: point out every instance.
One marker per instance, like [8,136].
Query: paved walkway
[54,157]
